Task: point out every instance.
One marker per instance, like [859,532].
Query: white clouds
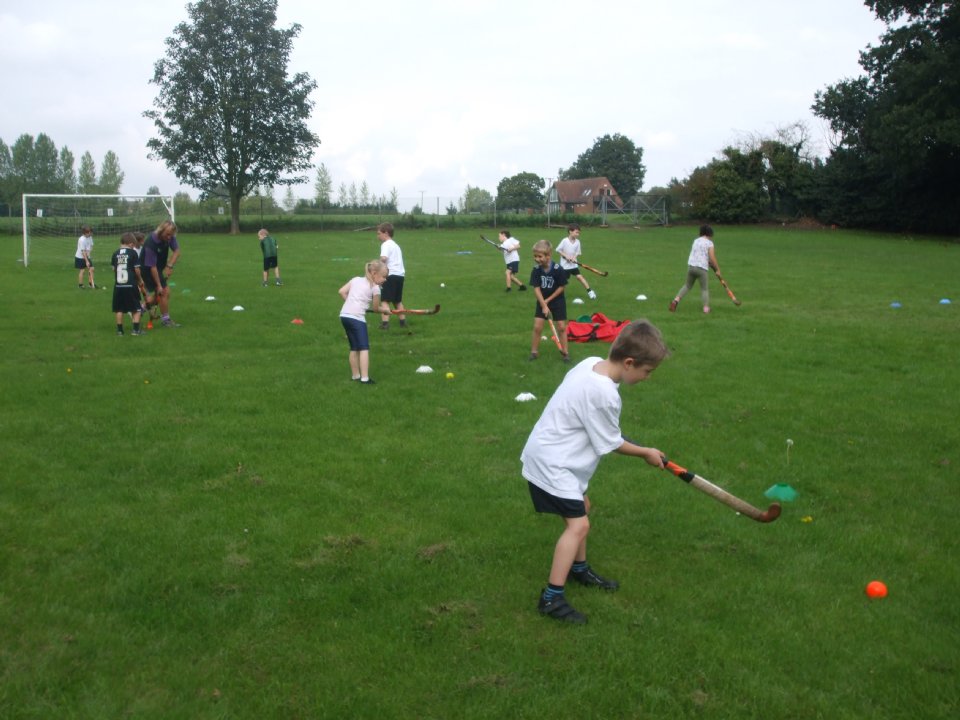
[445,94]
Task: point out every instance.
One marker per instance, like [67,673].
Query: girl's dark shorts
[514,266]
[558,309]
[80,263]
[573,271]
[356,333]
[269,262]
[392,290]
[544,502]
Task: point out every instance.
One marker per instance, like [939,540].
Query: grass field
[214,522]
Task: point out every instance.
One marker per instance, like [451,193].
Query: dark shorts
[544,502]
[356,333]
[126,299]
[514,266]
[148,280]
[392,290]
[573,271]
[80,263]
[558,309]
[269,262]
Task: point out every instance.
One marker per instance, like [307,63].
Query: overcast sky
[430,96]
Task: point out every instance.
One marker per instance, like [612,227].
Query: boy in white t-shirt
[359,295]
[83,258]
[569,250]
[702,258]
[511,256]
[392,257]
[581,424]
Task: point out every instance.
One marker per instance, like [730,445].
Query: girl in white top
[359,295]
[702,258]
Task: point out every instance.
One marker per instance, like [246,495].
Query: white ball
[443,284]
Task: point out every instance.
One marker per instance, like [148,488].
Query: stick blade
[772,513]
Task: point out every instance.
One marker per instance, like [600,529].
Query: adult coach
[392,292]
[158,266]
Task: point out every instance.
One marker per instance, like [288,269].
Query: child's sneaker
[591,294]
[403,323]
[522,288]
[560,609]
[368,381]
[673,305]
[384,326]
[508,290]
[137,333]
[264,283]
[279,283]
[120,332]
[170,323]
[566,358]
[533,356]
[589,578]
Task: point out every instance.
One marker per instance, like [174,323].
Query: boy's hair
[543,247]
[263,233]
[128,238]
[706,231]
[375,266]
[385,228]
[642,341]
[86,229]
[139,237]
[573,226]
[505,232]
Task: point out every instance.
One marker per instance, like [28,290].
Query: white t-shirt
[359,298]
[391,251]
[511,245]
[700,252]
[84,243]
[580,424]
[571,248]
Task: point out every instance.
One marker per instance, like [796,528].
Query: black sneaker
[119,332]
[566,358]
[384,326]
[170,323]
[508,289]
[589,578]
[560,609]
[403,323]
[522,288]
[137,333]
[368,381]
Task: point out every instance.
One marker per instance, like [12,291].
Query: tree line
[35,165]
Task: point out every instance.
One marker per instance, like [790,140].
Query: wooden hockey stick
[718,493]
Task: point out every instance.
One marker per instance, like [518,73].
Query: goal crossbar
[31,202]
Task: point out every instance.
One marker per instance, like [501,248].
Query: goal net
[52,223]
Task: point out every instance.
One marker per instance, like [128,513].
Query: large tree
[519,192]
[896,156]
[614,157]
[226,114]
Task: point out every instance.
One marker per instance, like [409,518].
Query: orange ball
[876,589]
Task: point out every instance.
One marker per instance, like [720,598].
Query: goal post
[52,223]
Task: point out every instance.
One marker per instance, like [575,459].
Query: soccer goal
[52,223]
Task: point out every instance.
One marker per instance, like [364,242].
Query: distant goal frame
[26,198]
